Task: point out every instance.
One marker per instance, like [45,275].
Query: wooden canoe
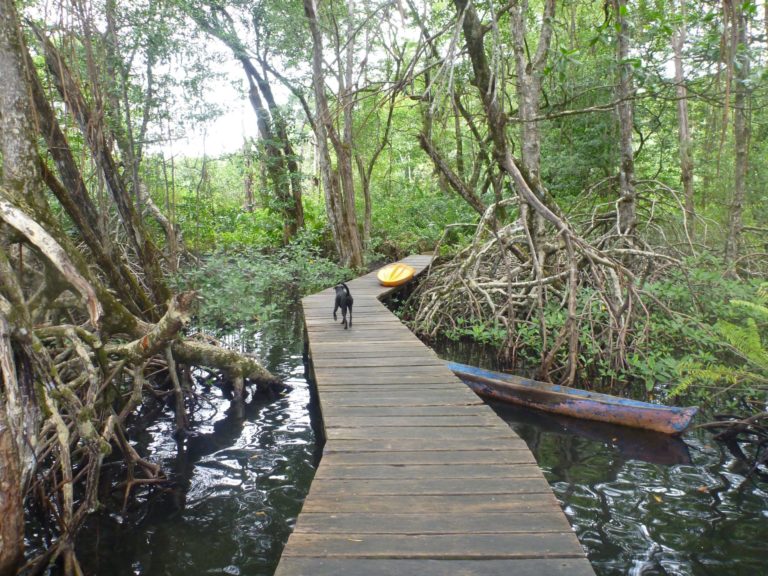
[573,401]
[395,274]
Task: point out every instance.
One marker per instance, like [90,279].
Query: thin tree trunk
[683,130]
[11,473]
[248,178]
[344,157]
[294,176]
[741,135]
[529,76]
[626,213]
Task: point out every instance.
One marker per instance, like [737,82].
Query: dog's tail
[346,287]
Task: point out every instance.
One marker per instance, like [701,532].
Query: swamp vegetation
[591,177]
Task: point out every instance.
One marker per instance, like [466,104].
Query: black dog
[344,301]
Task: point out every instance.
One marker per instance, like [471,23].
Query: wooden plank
[456,546]
[402,389]
[387,364]
[476,419]
[432,504]
[434,487]
[445,523]
[402,411]
[450,457]
[329,348]
[382,397]
[420,471]
[325,566]
[330,376]
[425,444]
[349,400]
[445,432]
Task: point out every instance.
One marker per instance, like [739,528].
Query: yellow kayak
[395,274]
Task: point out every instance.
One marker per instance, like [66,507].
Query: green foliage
[745,336]
[239,289]
[494,334]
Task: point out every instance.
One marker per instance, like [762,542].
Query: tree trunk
[12,483]
[338,184]
[20,175]
[248,178]
[683,130]
[529,76]
[741,135]
[626,213]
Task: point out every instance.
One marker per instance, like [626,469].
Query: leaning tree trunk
[93,128]
[530,72]
[281,164]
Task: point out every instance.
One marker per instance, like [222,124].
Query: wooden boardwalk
[418,476]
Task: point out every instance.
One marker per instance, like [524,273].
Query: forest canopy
[591,177]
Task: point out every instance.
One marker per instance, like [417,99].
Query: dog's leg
[350,312]
[335,307]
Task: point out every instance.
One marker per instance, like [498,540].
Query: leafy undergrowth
[246,289]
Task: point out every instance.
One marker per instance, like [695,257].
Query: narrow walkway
[418,476]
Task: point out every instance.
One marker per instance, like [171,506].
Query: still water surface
[639,507]
[239,480]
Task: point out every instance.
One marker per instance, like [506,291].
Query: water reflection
[238,480]
[688,509]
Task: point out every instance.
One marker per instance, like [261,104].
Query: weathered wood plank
[389,364]
[476,419]
[447,433]
[419,471]
[423,444]
[444,523]
[451,457]
[402,411]
[324,566]
[457,546]
[330,377]
[374,397]
[434,487]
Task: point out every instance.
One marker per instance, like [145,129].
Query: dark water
[239,481]
[641,503]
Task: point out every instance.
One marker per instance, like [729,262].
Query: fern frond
[760,309]
[746,340]
[762,293]
[695,373]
